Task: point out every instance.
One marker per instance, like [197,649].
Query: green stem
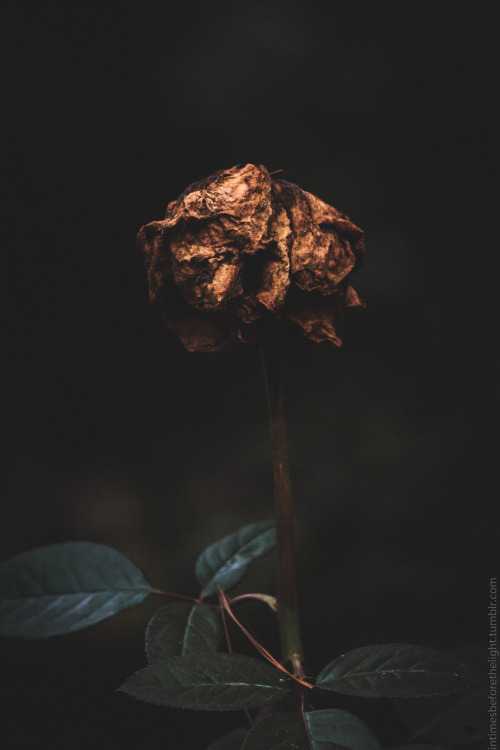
[286,593]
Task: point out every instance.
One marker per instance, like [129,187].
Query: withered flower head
[240,251]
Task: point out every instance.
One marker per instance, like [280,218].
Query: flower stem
[286,594]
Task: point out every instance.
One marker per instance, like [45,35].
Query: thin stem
[286,594]
[228,642]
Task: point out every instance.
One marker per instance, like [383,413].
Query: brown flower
[240,250]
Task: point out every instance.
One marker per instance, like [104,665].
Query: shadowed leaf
[281,731]
[226,561]
[453,719]
[230,741]
[330,729]
[456,719]
[394,670]
[181,629]
[208,682]
[66,587]
[339,729]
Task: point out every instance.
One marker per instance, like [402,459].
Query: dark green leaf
[418,747]
[452,719]
[226,561]
[330,729]
[208,682]
[278,731]
[333,729]
[394,670]
[181,629]
[65,587]
[455,719]
[230,741]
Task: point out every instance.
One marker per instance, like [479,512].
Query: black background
[113,434]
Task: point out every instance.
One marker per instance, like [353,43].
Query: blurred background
[114,434]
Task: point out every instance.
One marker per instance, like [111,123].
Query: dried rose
[240,250]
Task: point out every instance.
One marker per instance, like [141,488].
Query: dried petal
[197,333]
[152,241]
[325,245]
[214,224]
[276,263]
[317,315]
[240,251]
[351,298]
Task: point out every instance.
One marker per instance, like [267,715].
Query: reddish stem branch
[265,653]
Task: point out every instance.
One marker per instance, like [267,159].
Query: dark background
[113,434]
